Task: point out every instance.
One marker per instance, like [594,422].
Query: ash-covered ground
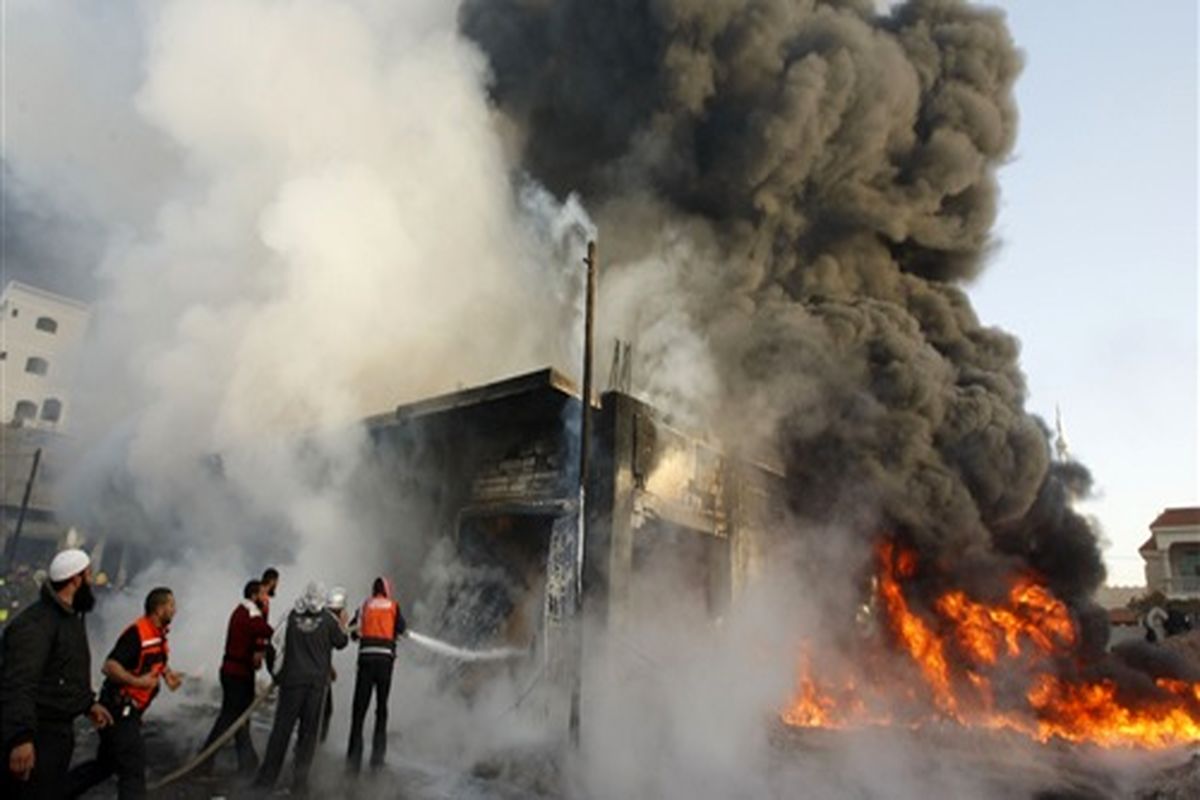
[950,761]
[173,739]
[937,761]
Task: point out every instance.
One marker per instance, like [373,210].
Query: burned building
[495,470]
[33,463]
[31,533]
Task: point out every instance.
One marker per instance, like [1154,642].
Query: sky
[1096,271]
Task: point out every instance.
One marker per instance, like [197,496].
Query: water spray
[450,651]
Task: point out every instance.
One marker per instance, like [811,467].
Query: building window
[47,324]
[14,312]
[26,409]
[52,409]
[1186,560]
[38,366]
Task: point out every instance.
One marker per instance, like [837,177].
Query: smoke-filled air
[813,186]
[332,231]
[291,216]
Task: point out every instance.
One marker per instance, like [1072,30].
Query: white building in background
[40,334]
[1172,553]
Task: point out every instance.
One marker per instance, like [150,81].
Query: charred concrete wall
[41,530]
[491,448]
[660,494]
[488,466]
[490,471]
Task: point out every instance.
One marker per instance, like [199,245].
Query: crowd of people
[46,682]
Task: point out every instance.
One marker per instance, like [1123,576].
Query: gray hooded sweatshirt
[307,641]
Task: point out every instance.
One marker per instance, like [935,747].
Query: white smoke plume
[297,214]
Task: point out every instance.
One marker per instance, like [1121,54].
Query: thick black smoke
[837,165]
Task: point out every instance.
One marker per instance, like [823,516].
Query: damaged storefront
[494,470]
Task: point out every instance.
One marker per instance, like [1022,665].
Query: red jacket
[249,634]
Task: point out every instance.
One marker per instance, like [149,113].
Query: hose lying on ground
[216,745]
[428,642]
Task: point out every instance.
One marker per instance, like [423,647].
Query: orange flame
[959,648]
[812,708]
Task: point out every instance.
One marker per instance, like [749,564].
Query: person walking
[376,625]
[132,671]
[246,640]
[46,682]
[305,645]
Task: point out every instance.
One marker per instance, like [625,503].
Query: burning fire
[997,666]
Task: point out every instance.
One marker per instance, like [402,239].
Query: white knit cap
[68,564]
[313,599]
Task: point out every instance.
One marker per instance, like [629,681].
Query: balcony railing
[1183,585]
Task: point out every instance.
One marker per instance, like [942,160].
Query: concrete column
[1168,575]
[620,550]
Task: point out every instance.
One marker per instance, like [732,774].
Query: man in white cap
[47,682]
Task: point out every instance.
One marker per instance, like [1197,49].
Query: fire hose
[216,745]
[428,642]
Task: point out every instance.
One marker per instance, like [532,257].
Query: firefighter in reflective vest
[376,626]
[132,672]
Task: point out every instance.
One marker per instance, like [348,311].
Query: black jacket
[47,670]
[305,644]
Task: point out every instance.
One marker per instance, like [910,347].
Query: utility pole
[585,440]
[16,537]
[585,423]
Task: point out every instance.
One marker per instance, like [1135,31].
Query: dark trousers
[327,714]
[122,752]
[374,675]
[53,744]
[236,696]
[297,704]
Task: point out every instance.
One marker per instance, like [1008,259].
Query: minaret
[1061,450]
